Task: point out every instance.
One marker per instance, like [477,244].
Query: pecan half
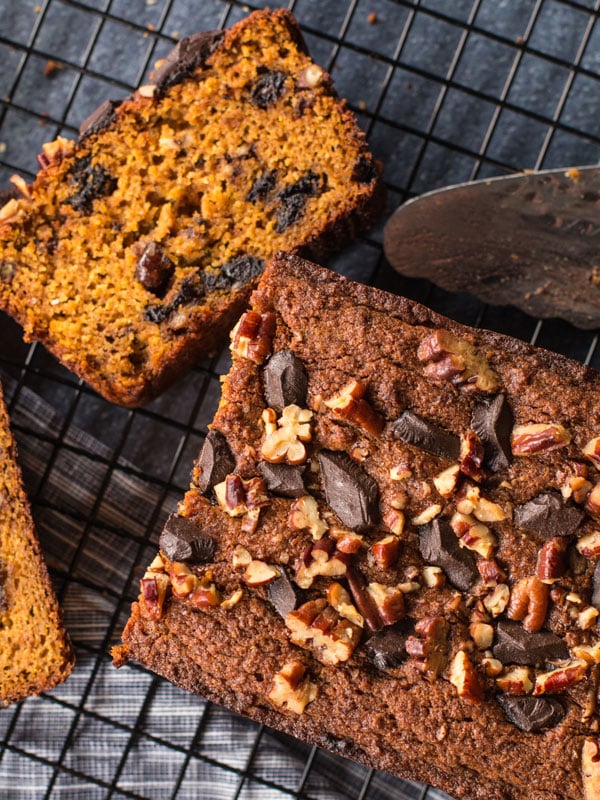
[529,603]
[552,560]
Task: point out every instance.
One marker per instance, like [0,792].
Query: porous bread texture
[429,707]
[35,652]
[251,153]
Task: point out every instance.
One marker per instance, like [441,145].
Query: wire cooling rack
[447,91]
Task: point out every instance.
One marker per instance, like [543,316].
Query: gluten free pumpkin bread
[136,248]
[390,544]
[35,653]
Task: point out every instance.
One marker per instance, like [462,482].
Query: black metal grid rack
[447,90]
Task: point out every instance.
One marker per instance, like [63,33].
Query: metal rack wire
[446,90]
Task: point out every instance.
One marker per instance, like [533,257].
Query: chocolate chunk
[415,430]
[268,88]
[88,182]
[154,268]
[215,462]
[181,540]
[99,119]
[283,595]
[514,645]
[187,55]
[284,480]
[547,515]
[595,601]
[492,420]
[262,186]
[349,490]
[439,545]
[531,714]
[286,381]
[293,199]
[364,170]
[234,273]
[387,648]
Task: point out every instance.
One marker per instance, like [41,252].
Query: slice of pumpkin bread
[35,653]
[137,246]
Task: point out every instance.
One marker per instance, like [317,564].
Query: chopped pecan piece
[516,680]
[471,455]
[350,404]
[394,519]
[385,552]
[465,678]
[456,360]
[529,603]
[482,634]
[322,558]
[318,627]
[590,768]
[445,482]
[389,602]
[154,587]
[304,514]
[592,451]
[433,577]
[287,442]
[429,648]
[242,498]
[259,573]
[538,437]
[497,600]
[561,679]
[252,337]
[427,515]
[473,534]
[592,501]
[338,598]
[292,689]
[490,571]
[589,545]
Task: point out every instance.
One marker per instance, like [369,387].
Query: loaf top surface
[35,653]
[136,247]
[389,545]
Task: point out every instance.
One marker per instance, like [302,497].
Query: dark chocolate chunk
[364,170]
[181,540]
[286,382]
[349,490]
[234,273]
[387,648]
[293,198]
[492,420]
[262,186]
[595,601]
[154,268]
[547,515]
[413,429]
[439,545]
[187,55]
[215,462]
[268,87]
[284,480]
[514,645]
[283,595]
[88,183]
[531,714]
[99,119]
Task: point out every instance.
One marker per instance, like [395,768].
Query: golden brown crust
[35,652]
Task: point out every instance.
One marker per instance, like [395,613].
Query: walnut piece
[317,626]
[252,337]
[292,689]
[456,360]
[464,677]
[350,404]
[287,442]
[529,603]
[538,437]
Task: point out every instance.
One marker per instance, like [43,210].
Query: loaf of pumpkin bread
[389,547]
[136,248]
[35,653]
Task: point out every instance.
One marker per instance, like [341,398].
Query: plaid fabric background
[446,91]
